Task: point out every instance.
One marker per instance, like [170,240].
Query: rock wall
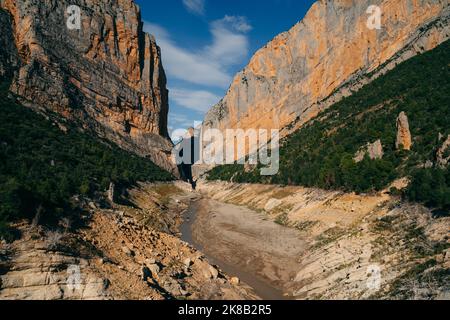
[325,57]
[404,139]
[106,76]
[9,57]
[373,150]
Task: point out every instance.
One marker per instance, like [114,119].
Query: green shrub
[40,166]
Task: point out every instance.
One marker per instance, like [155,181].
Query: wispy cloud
[198,71]
[180,120]
[198,100]
[195,6]
[230,43]
[186,65]
[207,66]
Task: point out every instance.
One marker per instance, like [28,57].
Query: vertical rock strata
[325,57]
[107,76]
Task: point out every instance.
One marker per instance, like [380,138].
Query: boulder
[187,262]
[272,204]
[154,269]
[111,192]
[404,139]
[373,150]
[214,273]
[128,251]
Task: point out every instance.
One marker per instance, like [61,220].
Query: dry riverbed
[246,244]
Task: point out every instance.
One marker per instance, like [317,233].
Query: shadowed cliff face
[325,57]
[107,76]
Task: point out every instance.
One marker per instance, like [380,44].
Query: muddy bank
[245,244]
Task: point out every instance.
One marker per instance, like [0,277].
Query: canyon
[225,240]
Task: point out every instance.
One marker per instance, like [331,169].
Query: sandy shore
[242,242]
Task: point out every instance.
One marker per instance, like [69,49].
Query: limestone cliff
[404,139]
[106,76]
[325,57]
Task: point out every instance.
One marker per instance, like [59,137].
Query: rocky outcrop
[404,140]
[373,150]
[9,58]
[442,155]
[107,76]
[38,273]
[325,57]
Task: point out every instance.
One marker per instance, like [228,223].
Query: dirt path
[245,244]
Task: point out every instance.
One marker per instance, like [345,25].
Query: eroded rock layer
[106,76]
[325,57]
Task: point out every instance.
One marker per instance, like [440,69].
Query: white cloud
[195,6]
[230,44]
[185,65]
[180,120]
[208,66]
[179,124]
[237,23]
[198,100]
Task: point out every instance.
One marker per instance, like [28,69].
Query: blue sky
[205,43]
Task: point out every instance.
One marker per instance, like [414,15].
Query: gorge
[88,186]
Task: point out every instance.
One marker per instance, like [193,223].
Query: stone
[174,288]
[404,139]
[154,269]
[249,167]
[213,272]
[272,204]
[428,164]
[111,192]
[373,150]
[325,57]
[128,251]
[187,262]
[235,281]
[107,77]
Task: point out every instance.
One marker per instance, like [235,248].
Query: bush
[40,166]
[431,187]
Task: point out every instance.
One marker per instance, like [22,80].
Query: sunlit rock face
[325,57]
[404,138]
[105,76]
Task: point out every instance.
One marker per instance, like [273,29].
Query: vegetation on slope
[42,167]
[321,153]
